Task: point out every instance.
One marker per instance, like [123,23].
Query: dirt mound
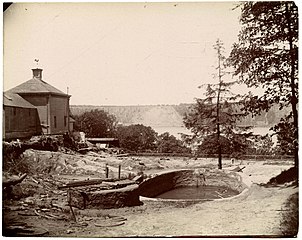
[286,176]
[47,162]
[12,151]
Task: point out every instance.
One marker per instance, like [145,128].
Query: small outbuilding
[20,118]
[51,107]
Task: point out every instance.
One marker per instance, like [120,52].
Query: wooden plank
[81,183]
[13,182]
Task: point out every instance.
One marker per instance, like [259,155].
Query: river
[177,131]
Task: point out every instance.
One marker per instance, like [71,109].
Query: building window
[55,121]
[28,112]
[15,111]
[65,121]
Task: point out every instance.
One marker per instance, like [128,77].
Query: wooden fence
[224,156]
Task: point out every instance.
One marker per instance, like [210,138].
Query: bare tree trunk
[219,157]
[294,99]
[218,107]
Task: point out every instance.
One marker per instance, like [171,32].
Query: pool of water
[200,192]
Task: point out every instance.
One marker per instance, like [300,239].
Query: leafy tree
[167,143]
[266,56]
[234,146]
[209,145]
[96,123]
[215,114]
[285,136]
[136,137]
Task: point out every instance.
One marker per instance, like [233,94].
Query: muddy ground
[36,207]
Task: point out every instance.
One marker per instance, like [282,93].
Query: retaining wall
[116,198]
[129,196]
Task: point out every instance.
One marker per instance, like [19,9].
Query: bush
[96,123]
[169,144]
[136,137]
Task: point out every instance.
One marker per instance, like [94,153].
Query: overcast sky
[118,53]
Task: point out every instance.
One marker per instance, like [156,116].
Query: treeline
[139,138]
[133,138]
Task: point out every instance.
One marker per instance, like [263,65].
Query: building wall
[20,122]
[71,126]
[53,111]
[42,104]
[59,114]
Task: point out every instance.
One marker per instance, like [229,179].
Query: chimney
[37,73]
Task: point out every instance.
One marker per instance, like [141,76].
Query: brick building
[51,105]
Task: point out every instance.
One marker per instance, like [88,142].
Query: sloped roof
[15,100]
[71,119]
[35,85]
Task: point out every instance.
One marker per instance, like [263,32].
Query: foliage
[96,123]
[266,56]
[235,145]
[136,137]
[167,143]
[285,136]
[210,145]
[202,119]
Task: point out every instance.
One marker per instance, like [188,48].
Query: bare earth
[255,212]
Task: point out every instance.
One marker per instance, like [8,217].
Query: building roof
[15,100]
[35,85]
[71,119]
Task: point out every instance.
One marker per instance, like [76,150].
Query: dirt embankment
[37,207]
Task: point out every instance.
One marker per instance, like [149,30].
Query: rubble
[13,181]
[43,173]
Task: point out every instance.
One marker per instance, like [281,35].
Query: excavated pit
[201,192]
[178,185]
[192,185]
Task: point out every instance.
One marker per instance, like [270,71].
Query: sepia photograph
[150,119]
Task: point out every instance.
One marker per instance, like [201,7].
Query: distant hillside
[171,115]
[148,115]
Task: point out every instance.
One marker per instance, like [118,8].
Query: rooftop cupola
[37,73]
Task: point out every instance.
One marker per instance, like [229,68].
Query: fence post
[119,172]
[107,171]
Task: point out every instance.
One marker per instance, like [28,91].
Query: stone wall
[129,196]
[124,197]
[168,180]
